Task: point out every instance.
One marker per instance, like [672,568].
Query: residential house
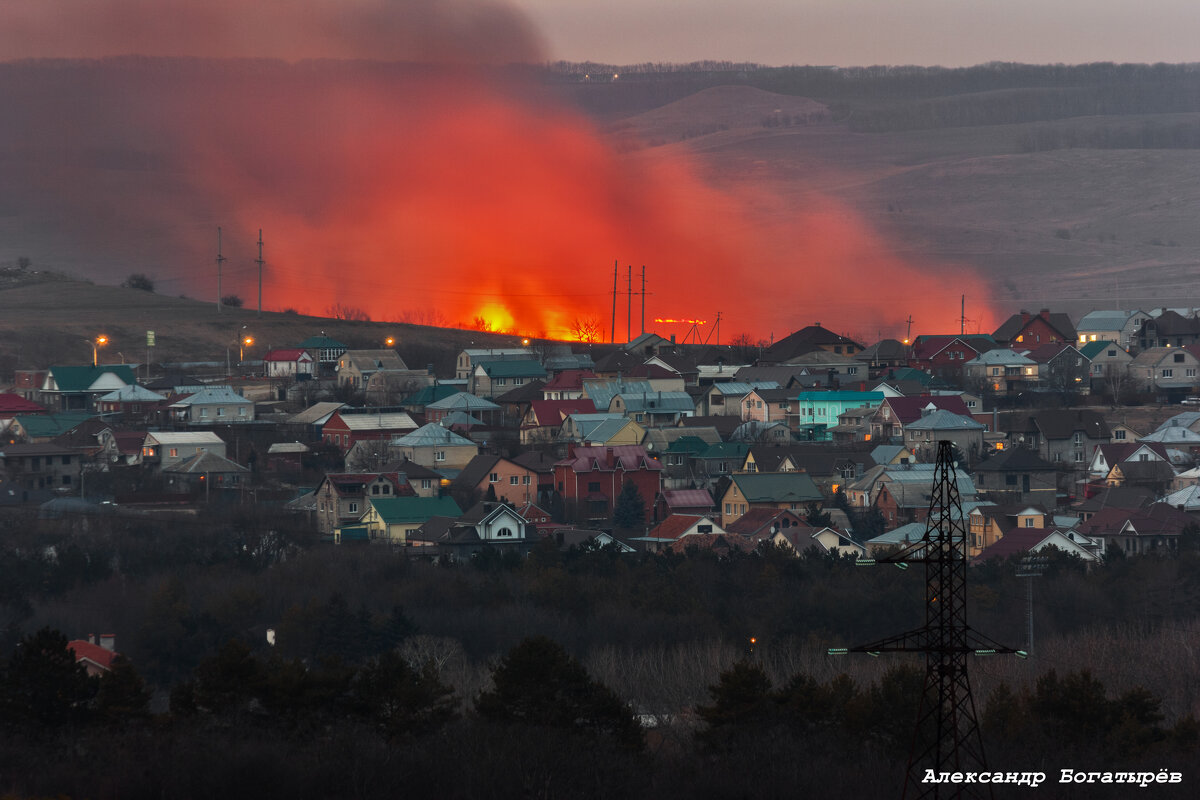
[434,447]
[1168,329]
[718,460]
[945,356]
[680,468]
[806,340]
[14,405]
[761,524]
[923,435]
[348,426]
[163,449]
[653,409]
[1169,372]
[342,497]
[498,478]
[1017,476]
[896,412]
[725,398]
[355,367]
[883,355]
[816,412]
[1001,371]
[674,528]
[987,524]
[567,385]
[484,410]
[468,359]
[393,520]
[608,430]
[589,479]
[326,351]
[696,502]
[1156,528]
[1118,327]
[387,387]
[206,475]
[1108,366]
[309,423]
[794,491]
[491,378]
[1061,368]
[69,388]
[216,406]
[543,421]
[1027,331]
[295,363]
[1109,455]
[902,494]
[1066,437]
[43,466]
[1023,541]
[132,403]
[286,458]
[827,540]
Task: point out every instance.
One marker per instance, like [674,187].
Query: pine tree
[629,511]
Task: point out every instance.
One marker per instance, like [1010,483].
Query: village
[1080,436]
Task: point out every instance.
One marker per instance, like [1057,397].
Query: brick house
[589,479]
[1027,331]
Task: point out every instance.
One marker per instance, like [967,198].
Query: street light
[97,343]
[390,341]
[247,341]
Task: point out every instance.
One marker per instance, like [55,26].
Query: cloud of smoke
[443,192]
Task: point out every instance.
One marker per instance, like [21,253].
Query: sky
[864,32]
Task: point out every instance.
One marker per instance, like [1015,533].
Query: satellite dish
[271,636]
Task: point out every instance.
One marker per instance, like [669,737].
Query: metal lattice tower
[946,737]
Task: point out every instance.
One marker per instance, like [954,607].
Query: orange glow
[447,194]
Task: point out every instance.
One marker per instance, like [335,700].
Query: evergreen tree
[629,511]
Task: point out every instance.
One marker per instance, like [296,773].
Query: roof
[803,341]
[942,420]
[905,534]
[477,469]
[755,520]
[910,409]
[13,404]
[631,456]
[927,346]
[315,413]
[287,447]
[204,463]
[80,379]
[725,450]
[1015,459]
[321,343]
[389,421]
[39,426]
[570,379]
[462,401]
[606,429]
[676,525]
[1001,356]
[739,388]
[184,437]
[1059,322]
[431,394]
[1104,320]
[398,510]
[432,435]
[688,444]
[206,397]
[675,402]
[86,651]
[131,394]
[687,498]
[553,412]
[288,354]
[512,368]
[1093,349]
[779,487]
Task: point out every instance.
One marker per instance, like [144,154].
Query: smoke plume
[396,170]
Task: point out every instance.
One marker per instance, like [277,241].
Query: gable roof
[1060,323]
[399,510]
[81,379]
[943,420]
[631,456]
[432,435]
[687,498]
[554,412]
[777,487]
[512,368]
[910,409]
[1093,349]
[462,401]
[204,463]
[13,404]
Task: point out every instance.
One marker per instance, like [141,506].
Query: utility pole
[259,261]
[220,263]
[947,736]
[1030,567]
[643,298]
[629,304]
[908,330]
[612,329]
[962,316]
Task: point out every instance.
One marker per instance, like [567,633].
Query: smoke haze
[412,180]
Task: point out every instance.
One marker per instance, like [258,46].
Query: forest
[579,673]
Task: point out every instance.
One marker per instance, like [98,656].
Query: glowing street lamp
[390,341]
[247,341]
[97,343]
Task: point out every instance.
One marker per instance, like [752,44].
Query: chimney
[1024,316]
[1044,314]
[91,638]
[108,641]
[570,449]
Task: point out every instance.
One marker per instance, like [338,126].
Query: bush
[231,300]
[139,280]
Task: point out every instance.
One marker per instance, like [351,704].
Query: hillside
[50,319]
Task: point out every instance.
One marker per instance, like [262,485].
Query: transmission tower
[946,737]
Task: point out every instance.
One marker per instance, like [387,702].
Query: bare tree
[586,329]
[351,313]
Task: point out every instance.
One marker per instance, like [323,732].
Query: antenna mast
[220,261]
[259,261]
[962,317]
[629,304]
[643,298]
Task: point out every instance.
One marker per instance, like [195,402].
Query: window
[513,480]
[501,381]
[851,370]
[1167,373]
[494,477]
[203,413]
[1010,480]
[426,483]
[220,411]
[729,508]
[66,460]
[375,489]
[704,529]
[1119,435]
[353,507]
[594,486]
[995,370]
[66,480]
[1179,357]
[174,452]
[241,411]
[1190,372]
[387,489]
[439,455]
[506,532]
[524,480]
